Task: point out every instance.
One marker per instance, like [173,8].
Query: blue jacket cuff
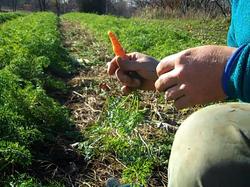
[226,77]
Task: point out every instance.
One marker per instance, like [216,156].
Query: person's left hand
[143,65]
[193,76]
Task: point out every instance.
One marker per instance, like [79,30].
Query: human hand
[143,65]
[193,76]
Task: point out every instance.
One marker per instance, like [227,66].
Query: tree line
[208,6]
[121,7]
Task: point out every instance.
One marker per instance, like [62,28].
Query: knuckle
[180,74]
[135,54]
[183,87]
[184,54]
[182,57]
[162,62]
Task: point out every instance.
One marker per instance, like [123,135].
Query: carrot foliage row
[9,16]
[30,53]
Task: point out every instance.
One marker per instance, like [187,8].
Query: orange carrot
[117,47]
[119,51]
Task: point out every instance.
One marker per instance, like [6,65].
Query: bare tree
[184,6]
[42,5]
[60,5]
[223,11]
[14,5]
[57,3]
[158,3]
[97,6]
[208,6]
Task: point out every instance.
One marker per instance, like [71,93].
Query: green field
[59,125]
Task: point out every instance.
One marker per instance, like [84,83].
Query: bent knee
[211,136]
[216,121]
[216,132]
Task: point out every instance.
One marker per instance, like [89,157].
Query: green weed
[119,131]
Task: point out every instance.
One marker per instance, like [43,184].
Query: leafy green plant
[22,180]
[11,153]
[30,51]
[31,48]
[9,16]
[28,115]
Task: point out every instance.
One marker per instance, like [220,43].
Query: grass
[157,38]
[121,131]
[124,140]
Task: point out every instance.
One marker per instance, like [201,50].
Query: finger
[125,79]
[128,65]
[183,102]
[127,90]
[112,66]
[175,92]
[166,81]
[132,56]
[166,64]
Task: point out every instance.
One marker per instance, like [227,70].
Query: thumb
[166,64]
[127,65]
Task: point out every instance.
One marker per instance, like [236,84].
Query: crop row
[30,49]
[9,16]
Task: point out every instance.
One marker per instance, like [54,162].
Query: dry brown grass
[167,13]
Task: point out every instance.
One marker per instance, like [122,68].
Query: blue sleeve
[236,77]
[231,37]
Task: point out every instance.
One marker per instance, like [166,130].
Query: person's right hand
[143,65]
[194,76]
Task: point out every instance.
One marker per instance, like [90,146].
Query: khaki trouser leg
[212,148]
